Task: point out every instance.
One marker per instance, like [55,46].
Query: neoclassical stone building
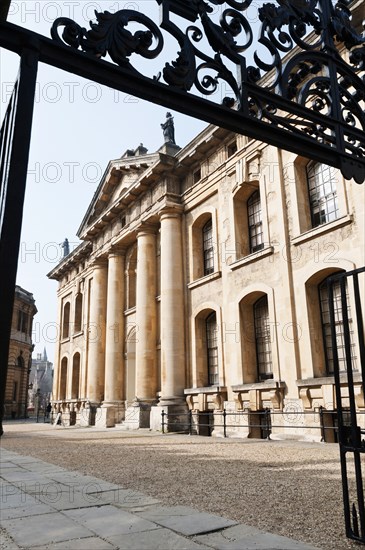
[200,285]
[20,354]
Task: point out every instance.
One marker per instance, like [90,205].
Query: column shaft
[172,310]
[114,358]
[96,335]
[146,364]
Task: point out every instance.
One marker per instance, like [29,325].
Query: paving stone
[7,489]
[68,500]
[158,512]
[107,521]
[4,465]
[21,505]
[45,529]
[187,521]
[45,468]
[6,543]
[43,487]
[244,537]
[155,540]
[127,499]
[94,543]
[24,475]
[81,482]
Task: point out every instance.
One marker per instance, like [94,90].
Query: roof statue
[168,129]
[66,247]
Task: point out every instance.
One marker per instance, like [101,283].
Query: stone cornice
[71,260]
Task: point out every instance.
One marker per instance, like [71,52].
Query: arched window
[208,251]
[66,321]
[23,319]
[263,339]
[326,326]
[131,278]
[75,376]
[212,349]
[254,217]
[20,360]
[63,379]
[322,193]
[78,312]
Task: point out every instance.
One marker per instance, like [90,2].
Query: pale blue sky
[78,127]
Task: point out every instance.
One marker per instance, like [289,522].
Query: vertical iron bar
[360,324]
[190,422]
[347,340]
[355,431]
[5,147]
[224,423]
[321,421]
[163,421]
[345,488]
[13,211]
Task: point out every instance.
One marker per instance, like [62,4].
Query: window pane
[322,193]
[263,339]
[255,222]
[212,350]
[208,251]
[339,327]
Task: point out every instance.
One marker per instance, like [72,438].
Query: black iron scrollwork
[110,36]
[298,58]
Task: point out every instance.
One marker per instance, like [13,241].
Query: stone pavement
[47,507]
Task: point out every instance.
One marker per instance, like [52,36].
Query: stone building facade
[40,380]
[20,354]
[200,285]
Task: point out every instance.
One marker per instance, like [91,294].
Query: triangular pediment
[119,177]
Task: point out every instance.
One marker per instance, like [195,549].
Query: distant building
[20,354]
[40,378]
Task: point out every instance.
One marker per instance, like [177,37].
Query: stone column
[113,405]
[172,321]
[96,334]
[172,310]
[146,364]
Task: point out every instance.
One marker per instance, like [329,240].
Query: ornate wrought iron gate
[15,136]
[313,104]
[351,430]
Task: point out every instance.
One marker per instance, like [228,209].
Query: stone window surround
[314,317]
[267,251]
[199,367]
[204,280]
[322,229]
[303,222]
[241,193]
[196,242]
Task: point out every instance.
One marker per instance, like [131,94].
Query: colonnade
[105,364]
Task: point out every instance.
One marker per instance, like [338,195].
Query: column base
[109,414]
[175,417]
[87,415]
[137,416]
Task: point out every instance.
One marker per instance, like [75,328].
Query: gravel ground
[285,487]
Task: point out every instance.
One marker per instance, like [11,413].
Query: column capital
[171,212]
[146,229]
[117,250]
[99,263]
